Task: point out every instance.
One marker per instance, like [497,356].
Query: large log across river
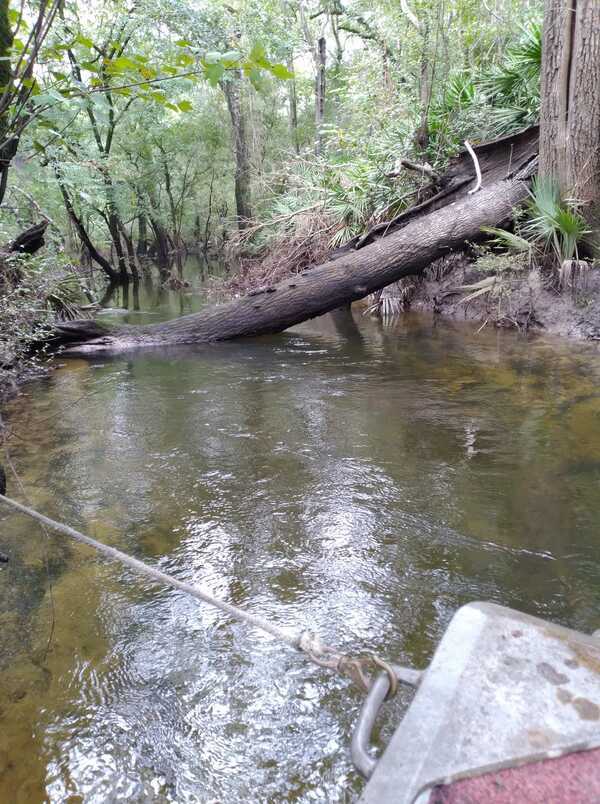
[452,217]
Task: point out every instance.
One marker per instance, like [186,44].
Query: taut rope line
[353,667]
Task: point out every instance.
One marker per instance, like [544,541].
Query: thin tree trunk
[161,240]
[320,89]
[243,203]
[82,231]
[114,227]
[422,133]
[6,40]
[133,268]
[318,52]
[293,106]
[208,216]
[570,113]
[142,244]
[169,191]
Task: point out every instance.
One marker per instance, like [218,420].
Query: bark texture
[320,89]
[570,114]
[436,228]
[81,230]
[29,241]
[243,200]
[8,147]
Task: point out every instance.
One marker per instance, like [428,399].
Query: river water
[359,479]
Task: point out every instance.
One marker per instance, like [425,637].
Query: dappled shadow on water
[363,481]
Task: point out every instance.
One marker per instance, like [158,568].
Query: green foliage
[150,76]
[553,222]
[492,100]
[509,240]
[549,224]
[513,87]
[356,195]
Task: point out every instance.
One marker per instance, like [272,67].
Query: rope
[353,667]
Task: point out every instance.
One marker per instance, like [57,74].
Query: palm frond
[520,245]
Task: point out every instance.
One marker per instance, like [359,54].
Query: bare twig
[425,169]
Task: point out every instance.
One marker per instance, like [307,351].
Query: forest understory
[343,158]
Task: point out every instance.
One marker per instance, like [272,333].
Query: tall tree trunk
[169,191]
[8,147]
[425,87]
[570,114]
[243,202]
[320,89]
[208,216]
[293,106]
[318,52]
[142,244]
[161,243]
[114,227]
[172,205]
[128,240]
[161,240]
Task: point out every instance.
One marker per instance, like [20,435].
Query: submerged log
[444,223]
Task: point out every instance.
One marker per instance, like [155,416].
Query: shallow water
[359,479]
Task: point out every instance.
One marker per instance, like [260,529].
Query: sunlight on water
[359,480]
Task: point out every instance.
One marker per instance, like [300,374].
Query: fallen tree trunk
[29,241]
[419,239]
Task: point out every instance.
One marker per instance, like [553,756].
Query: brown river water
[360,479]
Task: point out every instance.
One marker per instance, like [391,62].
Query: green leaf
[183,43]
[85,41]
[55,95]
[255,77]
[120,64]
[212,57]
[184,106]
[184,59]
[148,72]
[231,55]
[257,53]
[281,71]
[44,123]
[213,73]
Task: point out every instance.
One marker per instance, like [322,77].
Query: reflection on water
[361,481]
[152,299]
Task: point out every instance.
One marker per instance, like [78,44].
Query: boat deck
[507,711]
